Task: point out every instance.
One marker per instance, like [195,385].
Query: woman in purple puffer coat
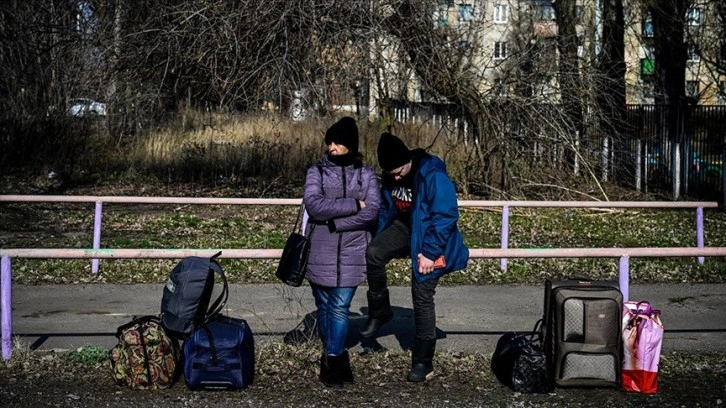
[342,198]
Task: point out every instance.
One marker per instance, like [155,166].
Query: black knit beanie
[392,152]
[344,132]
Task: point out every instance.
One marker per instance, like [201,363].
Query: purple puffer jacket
[338,251]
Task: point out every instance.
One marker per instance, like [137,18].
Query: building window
[722,92]
[649,51]
[648,25]
[544,88]
[649,86]
[692,90]
[499,88]
[647,64]
[466,12]
[441,15]
[500,50]
[693,53]
[694,17]
[580,46]
[580,14]
[501,13]
[544,10]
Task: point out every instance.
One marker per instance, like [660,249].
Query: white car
[80,107]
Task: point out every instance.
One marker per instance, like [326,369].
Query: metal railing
[506,207]
[96,253]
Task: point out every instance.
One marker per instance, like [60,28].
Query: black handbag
[520,363]
[294,259]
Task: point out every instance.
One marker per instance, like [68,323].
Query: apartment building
[493,35]
[705,74]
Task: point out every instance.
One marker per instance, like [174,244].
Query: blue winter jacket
[340,231]
[434,216]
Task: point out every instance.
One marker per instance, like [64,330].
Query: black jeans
[392,243]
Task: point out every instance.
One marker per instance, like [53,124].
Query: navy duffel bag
[220,355]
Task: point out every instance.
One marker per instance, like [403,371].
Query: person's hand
[425,265]
[362,204]
[630,336]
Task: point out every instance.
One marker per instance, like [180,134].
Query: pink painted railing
[506,206]
[97,253]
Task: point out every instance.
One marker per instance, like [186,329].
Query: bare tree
[530,98]
[44,57]
[706,41]
[525,106]
[230,55]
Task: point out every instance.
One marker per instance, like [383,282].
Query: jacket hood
[426,162]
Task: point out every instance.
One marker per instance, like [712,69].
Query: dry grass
[235,150]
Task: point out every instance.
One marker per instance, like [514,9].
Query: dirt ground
[289,379]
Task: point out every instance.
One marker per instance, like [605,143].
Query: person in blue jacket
[417,219]
[342,200]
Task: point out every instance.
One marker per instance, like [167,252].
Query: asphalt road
[469,318]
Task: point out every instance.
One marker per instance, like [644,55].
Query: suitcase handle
[580,279]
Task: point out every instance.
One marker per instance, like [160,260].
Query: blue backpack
[187,293]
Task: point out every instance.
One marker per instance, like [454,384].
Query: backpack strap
[221,300]
[212,347]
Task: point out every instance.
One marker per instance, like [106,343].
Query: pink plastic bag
[642,341]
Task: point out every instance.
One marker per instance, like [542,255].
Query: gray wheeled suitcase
[582,331]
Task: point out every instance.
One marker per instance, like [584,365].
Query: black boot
[379,312]
[330,371]
[422,367]
[346,372]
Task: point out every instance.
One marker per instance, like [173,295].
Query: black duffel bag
[520,363]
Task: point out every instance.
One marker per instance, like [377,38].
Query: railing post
[96,234]
[6,304]
[624,276]
[638,165]
[699,231]
[605,154]
[505,236]
[676,170]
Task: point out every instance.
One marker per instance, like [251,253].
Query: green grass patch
[89,355]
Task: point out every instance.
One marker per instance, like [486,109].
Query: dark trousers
[392,243]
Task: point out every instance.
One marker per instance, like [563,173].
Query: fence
[502,253]
[691,162]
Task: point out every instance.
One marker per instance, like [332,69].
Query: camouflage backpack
[145,356]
